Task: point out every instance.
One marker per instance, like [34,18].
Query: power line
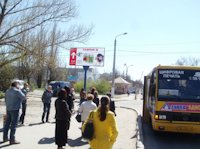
[156,52]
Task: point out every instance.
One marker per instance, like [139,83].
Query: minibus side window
[153,85]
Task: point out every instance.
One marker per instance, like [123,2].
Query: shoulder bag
[78,117]
[88,132]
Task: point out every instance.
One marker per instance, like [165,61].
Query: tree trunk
[39,80]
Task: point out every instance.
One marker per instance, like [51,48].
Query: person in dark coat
[93,89]
[112,104]
[69,98]
[96,98]
[63,115]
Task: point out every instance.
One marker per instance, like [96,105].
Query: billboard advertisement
[87,57]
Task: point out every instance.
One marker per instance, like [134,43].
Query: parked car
[57,85]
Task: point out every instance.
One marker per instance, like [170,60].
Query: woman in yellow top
[105,130]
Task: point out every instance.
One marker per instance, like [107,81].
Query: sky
[159,32]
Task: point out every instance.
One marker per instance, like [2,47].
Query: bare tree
[106,76]
[6,75]
[188,61]
[42,61]
[53,57]
[21,16]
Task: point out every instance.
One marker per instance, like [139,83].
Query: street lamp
[114,59]
[127,66]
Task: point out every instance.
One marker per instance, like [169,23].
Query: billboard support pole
[85,76]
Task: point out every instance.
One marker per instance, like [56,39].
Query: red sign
[72,59]
[181,107]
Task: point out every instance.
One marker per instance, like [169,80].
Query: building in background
[122,86]
[77,74]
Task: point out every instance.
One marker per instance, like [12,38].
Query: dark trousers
[23,113]
[12,118]
[61,136]
[46,111]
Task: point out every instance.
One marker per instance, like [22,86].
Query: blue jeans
[46,111]
[11,122]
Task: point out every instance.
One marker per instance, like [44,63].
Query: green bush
[79,85]
[102,86]
[2,94]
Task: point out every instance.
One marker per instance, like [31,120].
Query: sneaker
[14,142]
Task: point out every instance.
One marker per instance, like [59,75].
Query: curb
[139,130]
[140,139]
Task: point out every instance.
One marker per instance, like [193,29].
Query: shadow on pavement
[76,142]
[133,137]
[47,140]
[34,124]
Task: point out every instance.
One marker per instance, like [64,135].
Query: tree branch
[45,12]
[10,61]
[9,52]
[15,5]
[2,14]
[1,6]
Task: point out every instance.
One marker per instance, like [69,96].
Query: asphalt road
[165,140]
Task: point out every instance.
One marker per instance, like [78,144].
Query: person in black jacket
[93,89]
[112,103]
[96,98]
[62,116]
[69,98]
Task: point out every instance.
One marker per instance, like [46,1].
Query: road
[152,140]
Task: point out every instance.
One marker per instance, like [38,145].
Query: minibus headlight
[156,117]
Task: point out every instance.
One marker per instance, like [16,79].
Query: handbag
[78,118]
[88,132]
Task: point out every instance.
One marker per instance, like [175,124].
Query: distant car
[57,85]
[131,90]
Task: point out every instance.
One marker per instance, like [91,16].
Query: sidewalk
[35,135]
[41,136]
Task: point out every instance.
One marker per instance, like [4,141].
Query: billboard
[87,57]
